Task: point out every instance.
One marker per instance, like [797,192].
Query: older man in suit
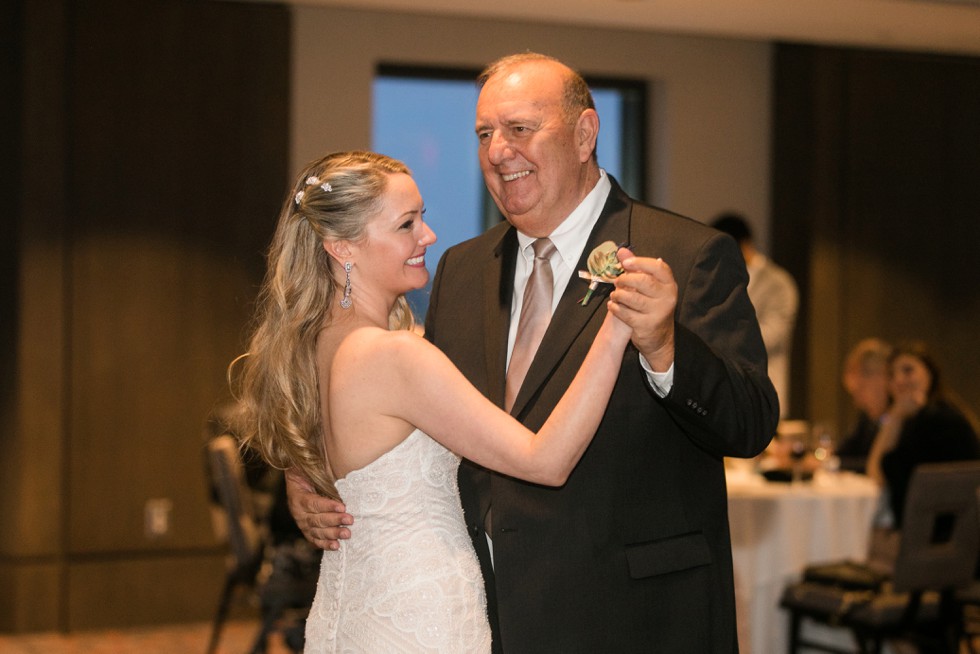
[633,553]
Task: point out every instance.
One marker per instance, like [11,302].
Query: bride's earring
[345,302]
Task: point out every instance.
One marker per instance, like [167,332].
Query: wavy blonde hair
[277,386]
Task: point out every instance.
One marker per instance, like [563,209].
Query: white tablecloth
[777,529]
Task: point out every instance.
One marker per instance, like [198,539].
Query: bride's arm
[466,422]
[429,392]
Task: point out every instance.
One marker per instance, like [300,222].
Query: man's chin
[514,209]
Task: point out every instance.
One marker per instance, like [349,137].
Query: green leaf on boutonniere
[604,267]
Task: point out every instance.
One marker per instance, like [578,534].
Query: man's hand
[322,520]
[647,295]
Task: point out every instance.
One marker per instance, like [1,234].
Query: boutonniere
[604,268]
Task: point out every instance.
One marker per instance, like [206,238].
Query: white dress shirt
[569,239]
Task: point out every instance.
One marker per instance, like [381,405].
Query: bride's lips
[417,261]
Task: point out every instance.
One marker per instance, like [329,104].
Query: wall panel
[146,211]
[876,157]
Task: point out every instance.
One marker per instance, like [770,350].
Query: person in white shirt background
[776,299]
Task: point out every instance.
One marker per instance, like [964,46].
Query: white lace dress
[408,579]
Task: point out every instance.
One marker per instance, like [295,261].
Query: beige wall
[709,108]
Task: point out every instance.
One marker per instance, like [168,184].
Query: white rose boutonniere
[604,267]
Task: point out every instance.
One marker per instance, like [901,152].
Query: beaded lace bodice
[408,579]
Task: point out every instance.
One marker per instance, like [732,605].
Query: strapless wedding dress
[408,579]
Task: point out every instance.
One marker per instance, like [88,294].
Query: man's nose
[499,149]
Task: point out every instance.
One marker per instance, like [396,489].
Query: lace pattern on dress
[408,579]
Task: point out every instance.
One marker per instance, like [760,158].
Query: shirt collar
[571,236]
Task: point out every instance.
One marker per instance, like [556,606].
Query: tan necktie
[535,316]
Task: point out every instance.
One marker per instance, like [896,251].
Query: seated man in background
[865,378]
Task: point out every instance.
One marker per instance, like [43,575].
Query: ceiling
[945,26]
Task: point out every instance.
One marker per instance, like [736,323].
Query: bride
[337,384]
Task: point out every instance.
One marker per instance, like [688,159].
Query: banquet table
[779,528]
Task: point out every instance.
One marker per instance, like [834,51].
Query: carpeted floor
[237,637]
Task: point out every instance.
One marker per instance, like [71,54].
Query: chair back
[228,476]
[941,532]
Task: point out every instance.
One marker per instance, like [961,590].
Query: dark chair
[937,555]
[235,523]
[969,601]
[275,565]
[287,593]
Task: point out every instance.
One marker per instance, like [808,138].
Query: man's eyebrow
[530,121]
[509,122]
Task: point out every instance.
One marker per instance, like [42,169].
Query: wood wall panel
[30,600]
[913,203]
[144,591]
[875,166]
[144,222]
[32,434]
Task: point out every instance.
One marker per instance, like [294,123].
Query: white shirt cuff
[661,382]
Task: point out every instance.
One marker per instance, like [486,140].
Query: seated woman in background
[924,424]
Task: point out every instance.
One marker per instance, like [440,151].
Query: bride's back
[355,369]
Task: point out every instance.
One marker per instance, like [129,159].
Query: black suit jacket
[633,553]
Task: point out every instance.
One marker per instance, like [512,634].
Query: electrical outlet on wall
[156,518]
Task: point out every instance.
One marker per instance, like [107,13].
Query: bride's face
[393,252]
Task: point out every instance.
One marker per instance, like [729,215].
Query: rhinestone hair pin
[312,180]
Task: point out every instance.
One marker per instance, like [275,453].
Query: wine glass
[824,450]
[797,452]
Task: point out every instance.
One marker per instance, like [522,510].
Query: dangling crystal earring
[345,301]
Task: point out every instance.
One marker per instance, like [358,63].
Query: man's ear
[339,250]
[587,132]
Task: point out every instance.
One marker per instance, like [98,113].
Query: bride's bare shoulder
[366,345]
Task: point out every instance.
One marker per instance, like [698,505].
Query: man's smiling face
[531,153]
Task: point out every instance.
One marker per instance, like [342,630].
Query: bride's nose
[428,236]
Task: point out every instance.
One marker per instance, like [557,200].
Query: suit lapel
[570,317]
[498,289]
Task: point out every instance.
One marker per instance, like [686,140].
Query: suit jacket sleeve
[721,396]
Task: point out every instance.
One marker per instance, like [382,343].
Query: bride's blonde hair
[277,385]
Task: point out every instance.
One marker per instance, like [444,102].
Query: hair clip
[312,180]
